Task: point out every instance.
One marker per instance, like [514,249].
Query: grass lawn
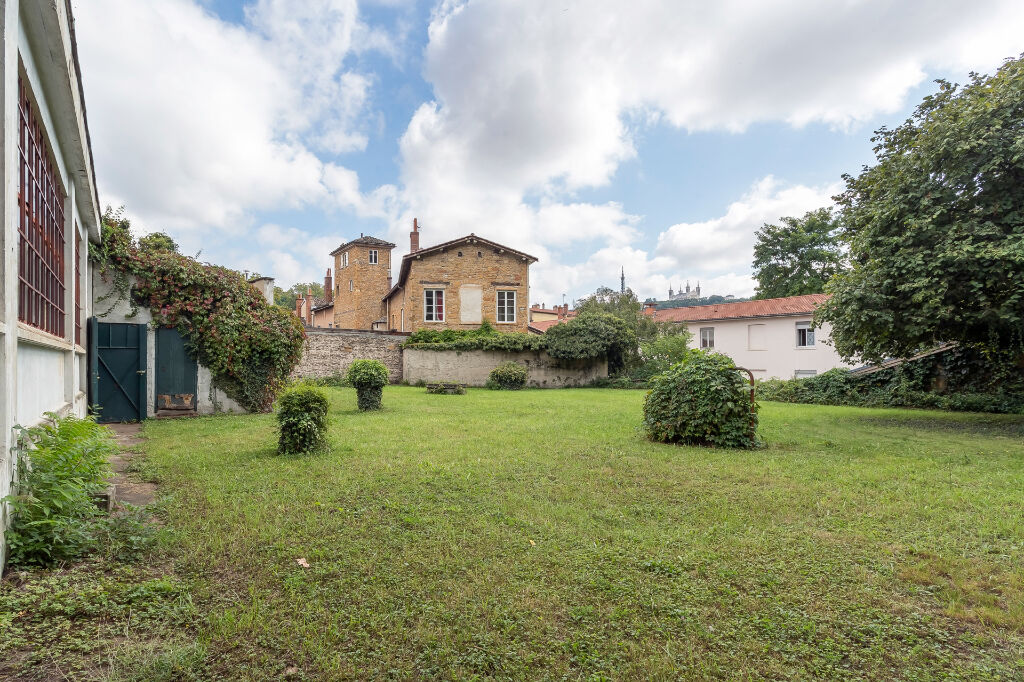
[538,535]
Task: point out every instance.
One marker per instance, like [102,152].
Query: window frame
[499,306]
[344,260]
[708,343]
[374,258]
[806,330]
[431,305]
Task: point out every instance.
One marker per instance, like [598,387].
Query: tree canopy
[286,297]
[935,228]
[157,241]
[628,308]
[797,256]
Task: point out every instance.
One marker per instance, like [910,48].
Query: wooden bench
[450,389]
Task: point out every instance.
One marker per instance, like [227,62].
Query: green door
[118,371]
[176,373]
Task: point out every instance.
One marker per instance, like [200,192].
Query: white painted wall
[781,357]
[40,372]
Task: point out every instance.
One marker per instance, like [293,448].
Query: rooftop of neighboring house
[364,240]
[769,307]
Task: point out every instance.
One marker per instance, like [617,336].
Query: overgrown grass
[538,535]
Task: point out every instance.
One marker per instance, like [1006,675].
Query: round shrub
[302,419]
[369,378]
[702,400]
[507,376]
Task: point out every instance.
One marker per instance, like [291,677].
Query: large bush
[61,465]
[960,378]
[508,376]
[369,378]
[702,400]
[302,419]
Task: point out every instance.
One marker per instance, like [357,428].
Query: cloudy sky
[651,135]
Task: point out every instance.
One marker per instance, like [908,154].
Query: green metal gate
[176,373]
[117,371]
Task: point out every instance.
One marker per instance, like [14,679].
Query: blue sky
[655,136]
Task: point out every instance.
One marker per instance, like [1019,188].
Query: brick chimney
[298,306]
[328,287]
[414,237]
[309,306]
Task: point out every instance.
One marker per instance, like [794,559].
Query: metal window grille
[78,287]
[40,224]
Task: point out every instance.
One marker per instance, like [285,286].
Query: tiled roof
[543,325]
[471,238]
[769,307]
[364,241]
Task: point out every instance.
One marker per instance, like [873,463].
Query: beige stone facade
[458,285]
[362,277]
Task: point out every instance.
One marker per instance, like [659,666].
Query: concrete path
[128,486]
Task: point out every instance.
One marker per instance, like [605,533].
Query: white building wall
[781,357]
[40,372]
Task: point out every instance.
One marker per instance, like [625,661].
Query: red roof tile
[543,325]
[769,307]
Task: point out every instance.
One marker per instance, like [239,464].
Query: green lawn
[538,535]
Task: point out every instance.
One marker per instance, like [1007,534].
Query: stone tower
[362,277]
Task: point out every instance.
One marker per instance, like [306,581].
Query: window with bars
[78,286]
[40,224]
[433,305]
[506,306]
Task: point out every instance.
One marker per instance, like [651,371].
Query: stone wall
[331,351]
[472,367]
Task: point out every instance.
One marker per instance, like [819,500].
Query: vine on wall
[249,346]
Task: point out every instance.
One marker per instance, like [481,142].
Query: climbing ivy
[249,346]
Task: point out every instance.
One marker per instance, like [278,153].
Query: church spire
[622,282]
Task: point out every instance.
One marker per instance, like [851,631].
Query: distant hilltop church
[683,295]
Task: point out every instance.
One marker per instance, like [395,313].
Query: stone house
[458,284]
[50,215]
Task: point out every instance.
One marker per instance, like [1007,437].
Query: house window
[506,306]
[804,373]
[804,335]
[707,337]
[373,256]
[344,260]
[40,225]
[433,305]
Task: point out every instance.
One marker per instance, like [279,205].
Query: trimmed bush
[369,378]
[702,400]
[302,419]
[61,465]
[508,376]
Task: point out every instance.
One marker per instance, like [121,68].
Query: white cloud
[536,99]
[197,123]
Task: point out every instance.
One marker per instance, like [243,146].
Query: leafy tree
[797,256]
[936,227]
[157,241]
[592,334]
[628,308]
[286,297]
